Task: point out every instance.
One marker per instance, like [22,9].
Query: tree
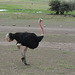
[72,5]
[61,6]
[64,7]
[55,5]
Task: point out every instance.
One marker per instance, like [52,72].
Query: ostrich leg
[24,57]
[18,46]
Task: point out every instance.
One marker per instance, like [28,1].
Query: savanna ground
[55,54]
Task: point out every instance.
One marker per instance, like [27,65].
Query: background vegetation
[27,9]
[60,7]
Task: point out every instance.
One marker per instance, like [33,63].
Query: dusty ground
[54,56]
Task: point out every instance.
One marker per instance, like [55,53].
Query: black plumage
[27,39]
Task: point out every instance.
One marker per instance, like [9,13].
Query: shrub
[64,7]
[61,6]
[54,5]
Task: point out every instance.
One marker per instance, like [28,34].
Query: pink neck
[41,27]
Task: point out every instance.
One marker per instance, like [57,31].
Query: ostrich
[27,39]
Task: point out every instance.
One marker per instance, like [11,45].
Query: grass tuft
[67,66]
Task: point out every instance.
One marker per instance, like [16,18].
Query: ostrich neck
[41,27]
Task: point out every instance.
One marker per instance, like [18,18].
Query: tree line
[60,7]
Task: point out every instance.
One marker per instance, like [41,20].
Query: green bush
[55,5]
[64,7]
[61,6]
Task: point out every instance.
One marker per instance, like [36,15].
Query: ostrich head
[9,37]
[40,20]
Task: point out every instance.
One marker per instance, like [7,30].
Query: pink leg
[23,55]
[18,46]
[25,50]
[20,51]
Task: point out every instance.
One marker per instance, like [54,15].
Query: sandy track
[54,45]
[44,44]
[37,29]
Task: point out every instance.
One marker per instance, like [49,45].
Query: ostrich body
[29,40]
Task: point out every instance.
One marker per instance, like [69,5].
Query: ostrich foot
[24,61]
[27,64]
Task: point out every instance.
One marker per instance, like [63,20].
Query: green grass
[23,0]
[61,73]
[64,52]
[51,68]
[73,12]
[27,6]
[67,66]
[26,9]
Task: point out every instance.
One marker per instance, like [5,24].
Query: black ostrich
[29,40]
